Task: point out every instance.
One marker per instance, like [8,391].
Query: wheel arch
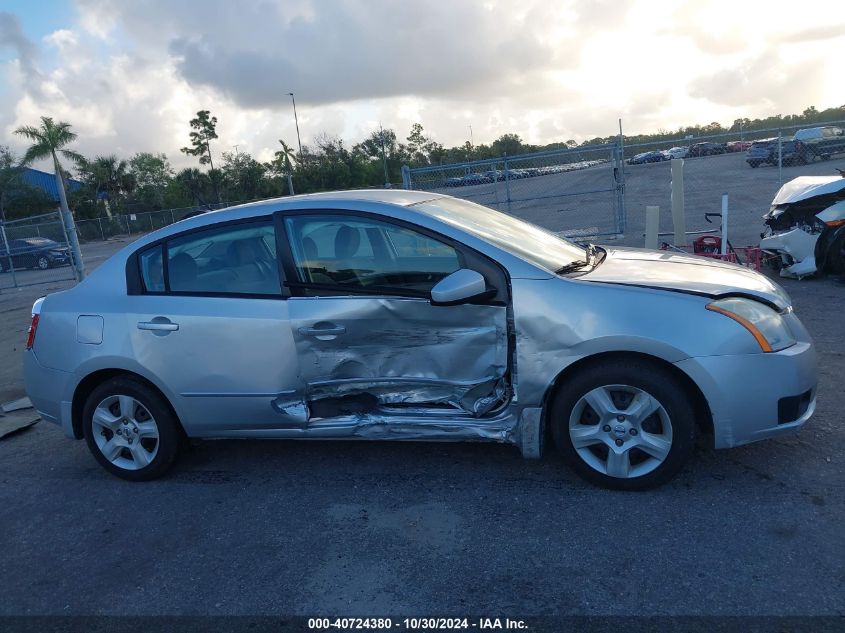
[94,379]
[703,415]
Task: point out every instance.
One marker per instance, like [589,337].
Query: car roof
[401,197]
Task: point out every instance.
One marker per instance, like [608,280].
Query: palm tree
[108,175]
[285,156]
[48,141]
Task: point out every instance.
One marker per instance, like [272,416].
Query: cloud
[363,50]
[12,36]
[130,75]
[764,82]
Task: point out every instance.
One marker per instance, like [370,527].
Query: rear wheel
[626,425]
[130,429]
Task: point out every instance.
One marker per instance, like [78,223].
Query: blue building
[47,182]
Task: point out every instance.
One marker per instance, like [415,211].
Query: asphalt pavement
[366,528]
[375,528]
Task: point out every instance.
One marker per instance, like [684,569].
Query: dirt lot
[318,528]
[551,203]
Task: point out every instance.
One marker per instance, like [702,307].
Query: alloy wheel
[620,431]
[125,432]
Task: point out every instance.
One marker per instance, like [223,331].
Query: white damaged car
[805,226]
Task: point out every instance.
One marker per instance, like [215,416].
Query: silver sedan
[409,315]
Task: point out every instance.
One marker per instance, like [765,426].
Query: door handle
[333,330]
[158,326]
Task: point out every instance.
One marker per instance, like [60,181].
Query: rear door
[367,336]
[210,320]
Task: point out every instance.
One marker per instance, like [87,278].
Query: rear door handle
[322,331]
[164,326]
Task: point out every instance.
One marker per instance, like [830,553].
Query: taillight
[30,339]
[33,326]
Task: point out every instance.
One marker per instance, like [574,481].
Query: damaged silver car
[405,315]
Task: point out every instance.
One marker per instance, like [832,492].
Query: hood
[805,187]
[684,273]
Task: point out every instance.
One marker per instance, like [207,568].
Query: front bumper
[746,392]
[46,389]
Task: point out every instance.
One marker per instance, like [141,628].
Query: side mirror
[462,286]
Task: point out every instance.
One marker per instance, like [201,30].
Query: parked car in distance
[476,179]
[33,252]
[677,152]
[737,146]
[766,152]
[819,142]
[707,149]
[647,157]
[391,314]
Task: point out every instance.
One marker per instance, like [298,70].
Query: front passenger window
[345,253]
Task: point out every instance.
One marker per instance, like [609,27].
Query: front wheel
[836,255]
[42,262]
[130,429]
[625,425]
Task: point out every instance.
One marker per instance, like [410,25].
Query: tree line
[147,181]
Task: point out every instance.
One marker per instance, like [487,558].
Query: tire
[754,163]
[808,157]
[2,266]
[836,255]
[141,448]
[668,432]
[42,262]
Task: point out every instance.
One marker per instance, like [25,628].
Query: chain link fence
[577,192]
[749,166]
[135,224]
[34,250]
[587,193]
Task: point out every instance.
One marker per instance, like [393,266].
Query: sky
[129,75]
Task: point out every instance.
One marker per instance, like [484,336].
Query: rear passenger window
[152,269]
[237,260]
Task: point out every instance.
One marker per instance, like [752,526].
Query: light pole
[296,120]
[471,143]
[384,157]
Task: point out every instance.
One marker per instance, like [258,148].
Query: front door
[368,338]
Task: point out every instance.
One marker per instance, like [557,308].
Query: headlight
[764,324]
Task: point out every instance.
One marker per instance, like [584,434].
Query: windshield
[526,241]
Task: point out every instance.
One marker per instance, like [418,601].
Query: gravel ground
[345,528]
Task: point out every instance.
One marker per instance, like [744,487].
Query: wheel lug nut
[606,428]
[621,418]
[618,442]
[135,430]
[125,421]
[633,431]
[130,440]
